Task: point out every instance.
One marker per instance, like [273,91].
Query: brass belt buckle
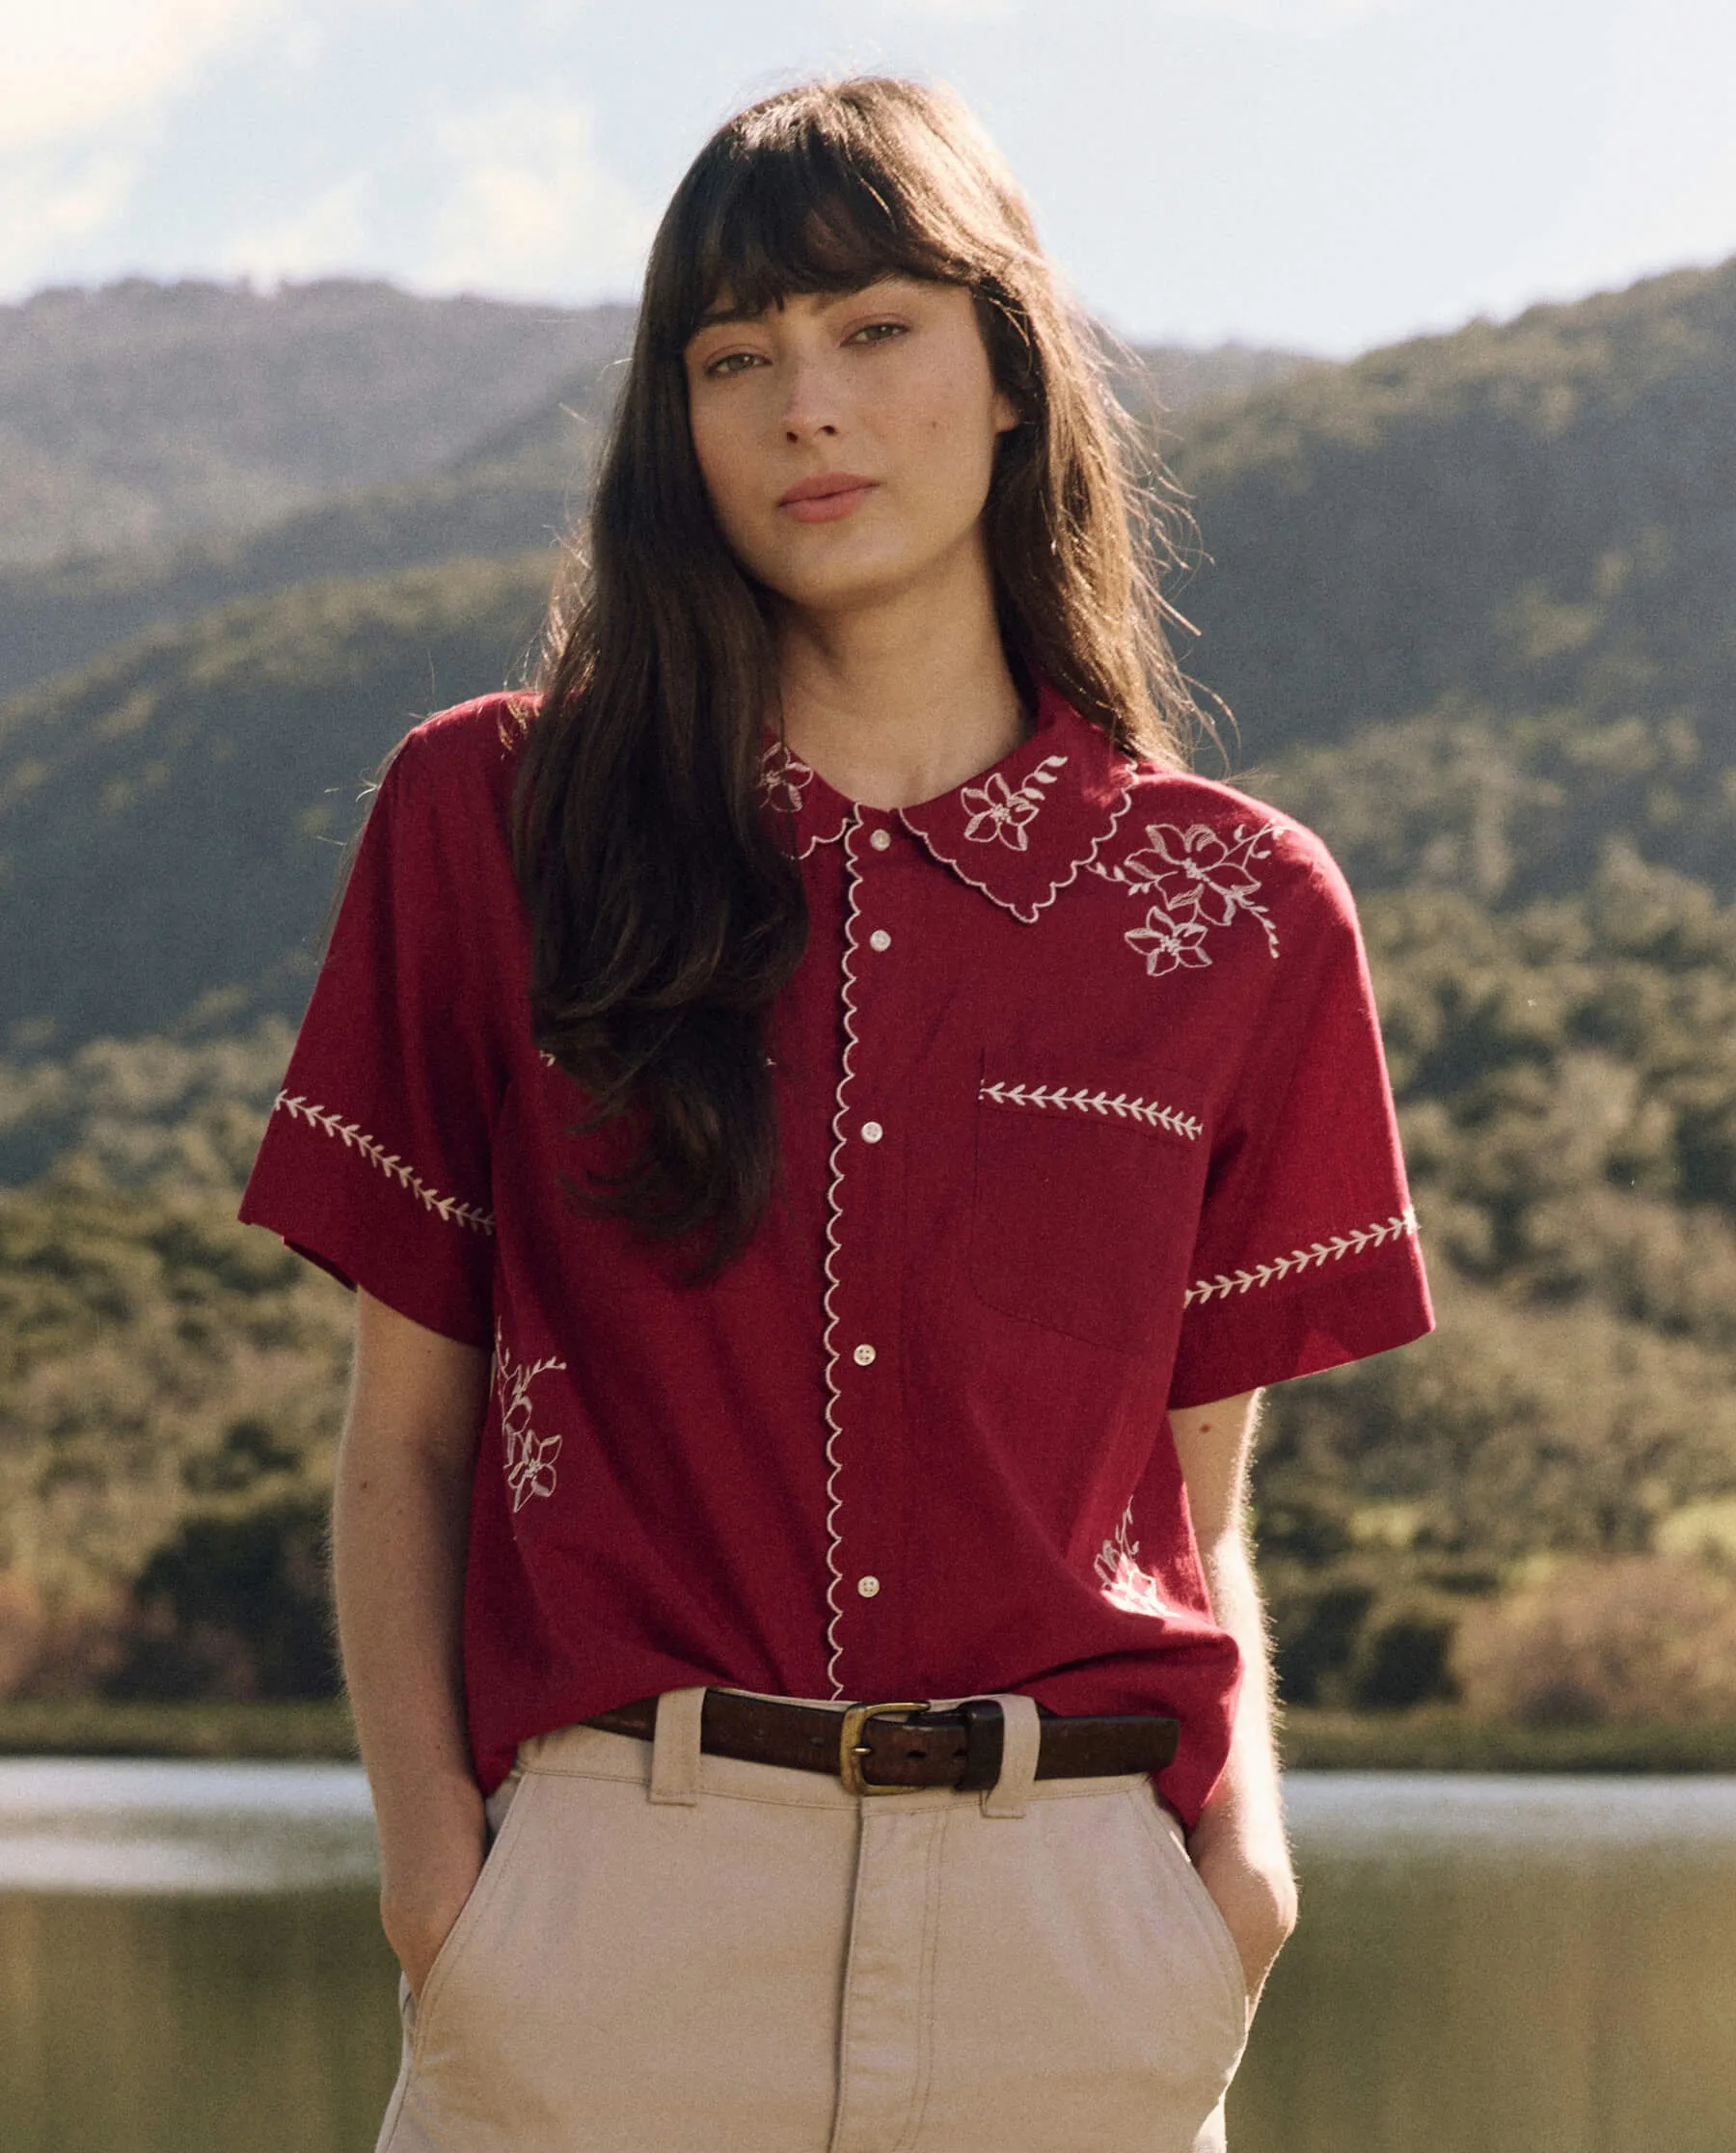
[852,1748]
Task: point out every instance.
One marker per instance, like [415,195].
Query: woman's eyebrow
[725,311]
[715,315]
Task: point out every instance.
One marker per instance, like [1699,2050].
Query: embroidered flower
[1124,1585]
[1168,944]
[1195,871]
[530,1457]
[1200,878]
[785,774]
[996,809]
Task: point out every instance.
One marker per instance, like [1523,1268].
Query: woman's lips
[824,500]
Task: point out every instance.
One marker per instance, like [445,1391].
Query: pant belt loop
[1022,1738]
[675,1748]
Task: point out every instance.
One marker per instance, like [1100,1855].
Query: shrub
[1634,1638]
[234,1606]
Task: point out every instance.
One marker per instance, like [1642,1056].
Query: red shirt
[1083,1115]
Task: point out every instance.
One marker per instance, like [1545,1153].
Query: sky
[1322,175]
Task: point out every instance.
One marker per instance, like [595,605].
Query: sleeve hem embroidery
[353,1137]
[1316,1256]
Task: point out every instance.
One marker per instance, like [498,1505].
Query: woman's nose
[809,412]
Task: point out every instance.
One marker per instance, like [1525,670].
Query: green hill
[142,414]
[1532,516]
[171,819]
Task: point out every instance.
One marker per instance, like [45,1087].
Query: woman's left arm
[1239,1845]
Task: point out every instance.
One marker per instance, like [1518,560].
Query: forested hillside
[1533,516]
[142,412]
[1472,601]
[170,820]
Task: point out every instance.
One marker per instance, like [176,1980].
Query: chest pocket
[1087,1197]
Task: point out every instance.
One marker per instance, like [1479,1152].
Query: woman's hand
[401,1521]
[1250,1878]
[1239,1845]
[417,1909]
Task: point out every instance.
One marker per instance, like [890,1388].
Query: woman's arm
[400,1516]
[1239,1845]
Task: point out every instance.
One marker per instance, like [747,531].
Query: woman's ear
[1007,414]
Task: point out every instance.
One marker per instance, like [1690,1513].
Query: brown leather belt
[880,1749]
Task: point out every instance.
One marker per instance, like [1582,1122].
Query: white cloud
[73,71]
[83,95]
[531,208]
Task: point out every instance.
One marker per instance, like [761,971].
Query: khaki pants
[686,1954]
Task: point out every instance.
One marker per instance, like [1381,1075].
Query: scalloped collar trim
[1020,832]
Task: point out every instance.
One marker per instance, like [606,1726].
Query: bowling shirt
[1082,1117]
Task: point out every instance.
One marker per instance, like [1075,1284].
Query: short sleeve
[376,1160]
[1305,1255]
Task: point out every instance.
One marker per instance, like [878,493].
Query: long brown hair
[665,913]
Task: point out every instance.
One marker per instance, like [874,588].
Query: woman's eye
[730,363]
[877,332]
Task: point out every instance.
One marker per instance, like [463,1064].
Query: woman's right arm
[400,1516]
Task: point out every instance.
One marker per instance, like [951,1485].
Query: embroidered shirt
[1083,1116]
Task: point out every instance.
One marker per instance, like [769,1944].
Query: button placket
[866,1478]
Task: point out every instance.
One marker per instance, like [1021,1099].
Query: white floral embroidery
[1315,1255]
[1124,1584]
[354,1138]
[996,811]
[1119,1104]
[530,1457]
[1168,944]
[1200,880]
[784,773]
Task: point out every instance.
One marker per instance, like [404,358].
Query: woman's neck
[895,703]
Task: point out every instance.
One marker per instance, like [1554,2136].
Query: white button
[880,839]
[871,1133]
[864,1357]
[867,1587]
[880,939]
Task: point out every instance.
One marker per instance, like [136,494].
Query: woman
[832,1127]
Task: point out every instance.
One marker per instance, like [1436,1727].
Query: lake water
[190,1962]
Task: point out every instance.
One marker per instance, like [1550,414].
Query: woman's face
[845,440]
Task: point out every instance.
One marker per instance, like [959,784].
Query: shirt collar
[1019,832]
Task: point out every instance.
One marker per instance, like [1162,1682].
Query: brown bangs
[804,205]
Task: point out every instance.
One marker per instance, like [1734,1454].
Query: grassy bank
[1443,1740]
[1433,1740]
[88,1726]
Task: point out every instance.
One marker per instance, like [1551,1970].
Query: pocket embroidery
[1109,1105]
